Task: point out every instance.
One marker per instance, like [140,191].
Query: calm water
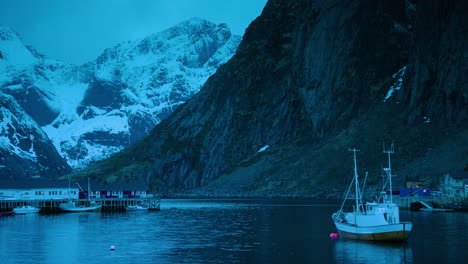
[203,231]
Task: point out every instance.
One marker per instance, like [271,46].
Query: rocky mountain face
[309,80]
[136,84]
[25,150]
[94,110]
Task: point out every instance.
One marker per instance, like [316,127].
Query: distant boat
[372,221]
[71,206]
[26,209]
[138,207]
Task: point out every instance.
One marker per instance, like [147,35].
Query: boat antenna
[389,169]
[80,188]
[89,191]
[362,189]
[356,180]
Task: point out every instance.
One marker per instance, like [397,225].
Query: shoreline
[252,196]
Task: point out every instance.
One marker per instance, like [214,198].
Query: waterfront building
[36,189]
[455,184]
[108,190]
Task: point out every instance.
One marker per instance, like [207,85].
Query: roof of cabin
[33,184]
[95,186]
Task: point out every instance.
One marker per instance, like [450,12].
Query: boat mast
[69,192]
[389,169]
[89,191]
[356,180]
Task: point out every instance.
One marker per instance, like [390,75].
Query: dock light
[112,247]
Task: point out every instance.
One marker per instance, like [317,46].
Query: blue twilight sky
[77,31]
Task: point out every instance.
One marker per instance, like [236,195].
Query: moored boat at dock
[26,209]
[138,207]
[377,221]
[71,206]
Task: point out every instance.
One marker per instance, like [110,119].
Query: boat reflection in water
[356,251]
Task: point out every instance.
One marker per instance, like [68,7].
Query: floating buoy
[112,247]
[334,235]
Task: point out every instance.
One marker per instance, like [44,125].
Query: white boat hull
[136,208]
[66,207]
[390,232]
[29,210]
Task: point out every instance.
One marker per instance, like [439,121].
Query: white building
[455,184]
[34,189]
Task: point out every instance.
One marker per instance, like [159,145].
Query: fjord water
[232,231]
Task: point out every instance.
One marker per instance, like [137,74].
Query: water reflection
[349,251]
[234,231]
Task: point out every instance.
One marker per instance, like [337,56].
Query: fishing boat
[374,221]
[26,209]
[138,207]
[72,206]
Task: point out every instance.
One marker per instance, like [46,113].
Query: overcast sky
[77,31]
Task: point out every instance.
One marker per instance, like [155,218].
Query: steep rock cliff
[25,150]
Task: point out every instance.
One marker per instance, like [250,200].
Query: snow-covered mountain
[94,110]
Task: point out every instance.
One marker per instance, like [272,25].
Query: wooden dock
[108,205]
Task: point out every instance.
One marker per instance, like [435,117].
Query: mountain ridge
[94,110]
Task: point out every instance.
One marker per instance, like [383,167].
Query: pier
[108,205]
[432,202]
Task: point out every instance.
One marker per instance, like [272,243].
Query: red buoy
[334,235]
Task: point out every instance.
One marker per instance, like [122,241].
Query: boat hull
[26,210]
[391,232]
[135,208]
[73,209]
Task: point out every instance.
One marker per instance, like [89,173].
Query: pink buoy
[112,247]
[334,235]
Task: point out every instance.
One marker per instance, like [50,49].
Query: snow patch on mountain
[17,130]
[13,51]
[397,83]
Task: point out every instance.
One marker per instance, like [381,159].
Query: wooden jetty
[108,204]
